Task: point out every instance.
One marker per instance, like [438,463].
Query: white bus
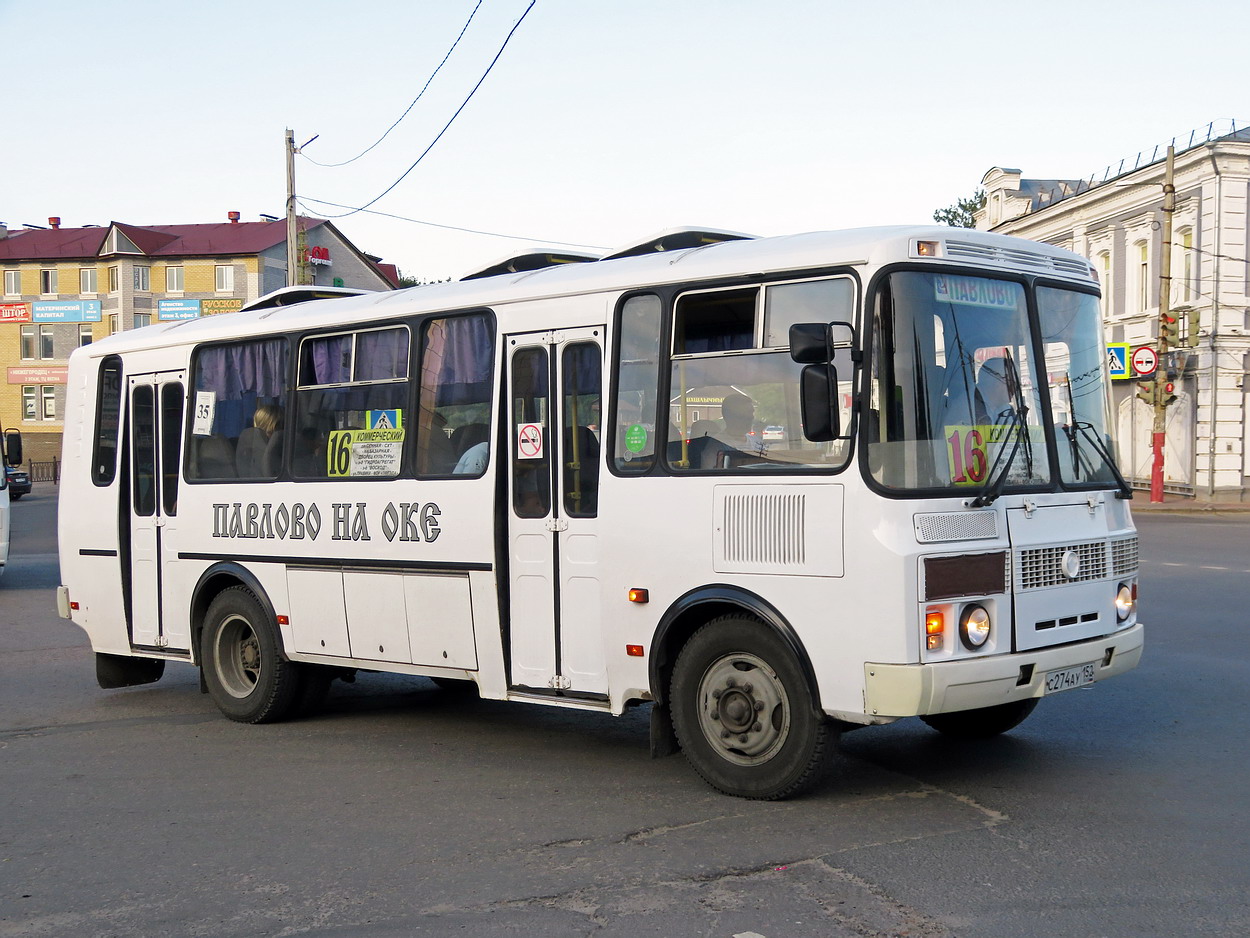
[779,488]
[10,455]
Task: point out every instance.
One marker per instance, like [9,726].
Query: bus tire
[246,675]
[743,712]
[983,722]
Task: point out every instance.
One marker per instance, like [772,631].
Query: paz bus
[776,488]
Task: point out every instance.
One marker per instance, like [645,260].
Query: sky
[601,122]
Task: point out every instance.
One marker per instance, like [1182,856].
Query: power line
[463,30]
[507,39]
[433,224]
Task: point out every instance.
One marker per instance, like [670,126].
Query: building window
[13,283]
[142,319]
[225,278]
[36,342]
[84,334]
[29,403]
[1104,263]
[112,323]
[1189,276]
[48,395]
[114,279]
[143,278]
[47,280]
[1143,275]
[88,280]
[173,279]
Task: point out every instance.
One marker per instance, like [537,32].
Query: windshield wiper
[1015,415]
[1087,430]
[997,476]
[1100,447]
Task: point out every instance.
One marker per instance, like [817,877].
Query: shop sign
[65,311]
[175,310]
[50,374]
[318,255]
[215,306]
[14,312]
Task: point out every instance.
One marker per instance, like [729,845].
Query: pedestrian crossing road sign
[1118,361]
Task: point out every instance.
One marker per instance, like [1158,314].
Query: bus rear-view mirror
[812,343]
[818,401]
[13,447]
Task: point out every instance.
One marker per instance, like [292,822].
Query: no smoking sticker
[529,441]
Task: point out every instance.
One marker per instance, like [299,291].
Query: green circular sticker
[636,438]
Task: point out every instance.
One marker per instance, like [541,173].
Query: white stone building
[1115,219]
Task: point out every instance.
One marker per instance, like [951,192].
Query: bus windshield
[956,400]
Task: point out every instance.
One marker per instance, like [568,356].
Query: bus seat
[214,458]
[249,455]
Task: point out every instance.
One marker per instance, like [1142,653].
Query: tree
[960,215]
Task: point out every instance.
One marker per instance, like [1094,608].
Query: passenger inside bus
[259,451]
[729,445]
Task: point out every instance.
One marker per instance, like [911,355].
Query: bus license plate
[1069,678]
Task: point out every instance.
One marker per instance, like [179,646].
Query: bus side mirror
[813,343]
[818,402]
[13,447]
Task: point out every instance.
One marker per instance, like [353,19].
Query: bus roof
[756,257]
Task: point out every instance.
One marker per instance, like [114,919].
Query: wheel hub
[745,713]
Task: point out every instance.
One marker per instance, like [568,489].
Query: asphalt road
[1117,810]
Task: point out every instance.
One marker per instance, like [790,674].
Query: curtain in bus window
[455,400]
[382,355]
[330,358]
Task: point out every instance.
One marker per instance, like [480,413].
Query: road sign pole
[1166,320]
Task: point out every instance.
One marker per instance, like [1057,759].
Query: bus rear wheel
[245,673]
[743,712]
[983,722]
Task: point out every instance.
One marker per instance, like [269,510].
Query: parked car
[19,482]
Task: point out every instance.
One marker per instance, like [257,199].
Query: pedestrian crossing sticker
[385,419]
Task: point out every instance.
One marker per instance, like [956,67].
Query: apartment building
[66,287]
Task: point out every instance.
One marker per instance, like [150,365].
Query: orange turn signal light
[284,620]
[634,651]
[934,623]
[639,596]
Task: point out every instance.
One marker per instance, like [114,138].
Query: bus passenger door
[156,402]
[555,634]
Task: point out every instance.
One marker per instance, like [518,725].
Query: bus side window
[455,399]
[638,340]
[107,421]
[237,389]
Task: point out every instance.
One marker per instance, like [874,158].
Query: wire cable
[410,106]
[434,224]
[463,105]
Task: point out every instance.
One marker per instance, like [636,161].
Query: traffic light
[1168,395]
[1169,330]
[1146,391]
[1192,327]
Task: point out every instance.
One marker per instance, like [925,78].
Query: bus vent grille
[1043,566]
[1016,257]
[765,529]
[956,526]
[1124,556]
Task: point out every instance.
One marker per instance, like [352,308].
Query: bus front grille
[1043,566]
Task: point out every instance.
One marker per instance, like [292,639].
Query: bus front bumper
[908,690]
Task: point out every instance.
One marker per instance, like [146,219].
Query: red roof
[225,238]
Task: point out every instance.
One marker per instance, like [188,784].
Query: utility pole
[1169,335]
[292,248]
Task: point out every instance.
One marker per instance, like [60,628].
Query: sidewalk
[1181,503]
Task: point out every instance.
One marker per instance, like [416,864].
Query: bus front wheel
[983,722]
[743,712]
[246,675]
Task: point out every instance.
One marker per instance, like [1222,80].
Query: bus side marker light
[934,626]
[639,596]
[284,620]
[926,248]
[634,651]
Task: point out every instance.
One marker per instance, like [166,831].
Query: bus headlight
[974,626]
[1124,602]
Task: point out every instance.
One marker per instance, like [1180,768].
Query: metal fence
[45,471]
